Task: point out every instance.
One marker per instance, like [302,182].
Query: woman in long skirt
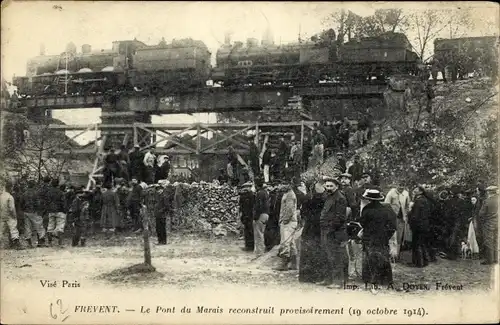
[110,207]
[312,259]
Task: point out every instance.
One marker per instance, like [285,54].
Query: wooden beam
[157,150]
[233,140]
[169,138]
[70,127]
[225,139]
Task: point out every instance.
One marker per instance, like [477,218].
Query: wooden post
[145,235]
[302,143]
[198,148]
[135,135]
[257,134]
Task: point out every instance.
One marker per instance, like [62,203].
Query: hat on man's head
[331,179]
[373,195]
[455,189]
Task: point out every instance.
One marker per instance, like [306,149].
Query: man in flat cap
[350,195]
[488,223]
[334,235]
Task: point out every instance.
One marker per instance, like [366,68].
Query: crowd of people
[336,228]
[41,216]
[342,229]
[290,158]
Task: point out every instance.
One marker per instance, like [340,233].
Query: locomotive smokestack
[227,38]
[267,37]
[71,48]
[251,42]
[42,49]
[86,48]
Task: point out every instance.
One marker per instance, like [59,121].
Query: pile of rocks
[208,207]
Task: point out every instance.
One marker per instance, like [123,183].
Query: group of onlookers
[350,230]
[46,213]
[143,166]
[290,158]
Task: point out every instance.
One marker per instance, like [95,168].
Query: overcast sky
[25,25]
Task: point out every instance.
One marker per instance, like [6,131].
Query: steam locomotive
[313,61]
[128,65]
[185,64]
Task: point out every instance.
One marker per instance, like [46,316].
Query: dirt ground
[192,261]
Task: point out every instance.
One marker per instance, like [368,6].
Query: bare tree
[30,150]
[430,24]
[354,26]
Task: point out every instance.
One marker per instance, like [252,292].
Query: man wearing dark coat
[356,169]
[312,257]
[457,220]
[333,235]
[254,159]
[111,167]
[124,161]
[272,232]
[136,166]
[341,162]
[266,164]
[134,201]
[96,206]
[488,223]
[247,201]
[233,163]
[260,216]
[350,195]
[379,224]
[419,220]
[282,155]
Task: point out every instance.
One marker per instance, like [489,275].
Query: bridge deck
[207,99]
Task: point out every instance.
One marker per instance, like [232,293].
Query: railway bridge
[126,117]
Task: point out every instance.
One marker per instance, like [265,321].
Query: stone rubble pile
[208,207]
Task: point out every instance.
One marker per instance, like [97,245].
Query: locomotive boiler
[78,73]
[164,68]
[381,56]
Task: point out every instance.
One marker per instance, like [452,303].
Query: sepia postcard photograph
[241,162]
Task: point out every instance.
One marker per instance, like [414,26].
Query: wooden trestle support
[149,136]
